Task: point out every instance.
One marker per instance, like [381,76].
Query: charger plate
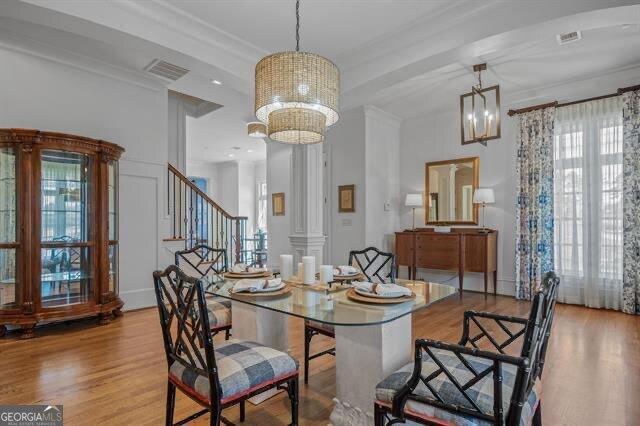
[236,275]
[352,295]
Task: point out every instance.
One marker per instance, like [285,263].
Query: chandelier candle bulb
[286,266]
[309,269]
[326,273]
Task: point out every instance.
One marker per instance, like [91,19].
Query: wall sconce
[480,112]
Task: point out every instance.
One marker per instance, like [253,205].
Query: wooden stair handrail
[198,191]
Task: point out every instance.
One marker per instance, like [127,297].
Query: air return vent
[570,37]
[166,70]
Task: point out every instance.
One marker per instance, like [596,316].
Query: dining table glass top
[334,307]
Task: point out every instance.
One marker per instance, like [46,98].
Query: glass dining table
[372,340]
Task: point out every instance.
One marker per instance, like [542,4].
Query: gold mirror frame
[475,161]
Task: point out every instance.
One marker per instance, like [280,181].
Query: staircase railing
[197,219]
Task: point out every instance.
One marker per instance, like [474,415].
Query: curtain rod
[620,91]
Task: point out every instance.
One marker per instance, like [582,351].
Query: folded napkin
[253,269]
[239,268]
[253,286]
[386,290]
[345,270]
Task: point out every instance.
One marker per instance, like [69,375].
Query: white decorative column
[306,237]
[364,356]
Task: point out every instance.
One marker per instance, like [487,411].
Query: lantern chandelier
[480,112]
[297,94]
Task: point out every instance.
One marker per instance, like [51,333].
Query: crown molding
[371,111]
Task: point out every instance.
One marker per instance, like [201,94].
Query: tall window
[588,202]
[261,205]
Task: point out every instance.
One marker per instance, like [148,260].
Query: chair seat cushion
[219,310]
[480,393]
[321,326]
[243,367]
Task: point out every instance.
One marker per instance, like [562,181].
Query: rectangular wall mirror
[449,188]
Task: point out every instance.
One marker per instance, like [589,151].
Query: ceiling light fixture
[480,112]
[297,94]
[230,155]
[249,150]
[256,129]
[214,81]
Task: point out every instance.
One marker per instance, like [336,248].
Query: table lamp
[413,201]
[483,196]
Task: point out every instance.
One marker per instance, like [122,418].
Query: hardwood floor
[116,374]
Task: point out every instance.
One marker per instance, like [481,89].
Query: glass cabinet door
[8,235]
[65,229]
[113,226]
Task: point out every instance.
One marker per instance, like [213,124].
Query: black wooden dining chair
[214,377]
[376,266]
[203,261]
[458,384]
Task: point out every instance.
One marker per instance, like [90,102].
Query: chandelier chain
[297,25]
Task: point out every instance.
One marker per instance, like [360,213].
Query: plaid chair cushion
[219,310]
[326,327]
[481,393]
[243,367]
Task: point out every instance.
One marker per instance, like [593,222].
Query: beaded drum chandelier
[297,94]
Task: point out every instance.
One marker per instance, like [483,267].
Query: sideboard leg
[28,331]
[105,318]
[117,312]
[3,330]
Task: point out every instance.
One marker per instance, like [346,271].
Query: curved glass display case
[58,228]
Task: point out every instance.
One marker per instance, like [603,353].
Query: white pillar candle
[286,266]
[300,271]
[326,273]
[309,269]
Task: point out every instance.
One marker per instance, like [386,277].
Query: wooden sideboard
[462,250]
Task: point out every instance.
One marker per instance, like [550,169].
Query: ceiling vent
[165,70]
[570,37]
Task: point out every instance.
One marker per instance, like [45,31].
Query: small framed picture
[347,199]
[277,203]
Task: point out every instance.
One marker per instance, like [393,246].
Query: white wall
[247,193]
[278,167]
[46,89]
[437,137]
[382,163]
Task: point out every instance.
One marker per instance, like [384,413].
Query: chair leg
[227,334]
[171,403]
[241,411]
[215,416]
[308,334]
[292,390]
[537,416]
[378,415]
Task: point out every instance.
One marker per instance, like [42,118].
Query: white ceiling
[405,56]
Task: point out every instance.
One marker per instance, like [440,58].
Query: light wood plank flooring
[116,374]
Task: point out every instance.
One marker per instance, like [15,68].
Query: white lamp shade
[413,200]
[484,195]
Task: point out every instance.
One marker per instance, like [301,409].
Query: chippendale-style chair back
[375,264]
[202,261]
[185,324]
[536,340]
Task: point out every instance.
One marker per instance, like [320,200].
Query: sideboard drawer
[437,251]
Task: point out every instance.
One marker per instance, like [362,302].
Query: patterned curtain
[631,202]
[534,209]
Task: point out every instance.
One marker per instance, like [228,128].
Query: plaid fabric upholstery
[243,367]
[219,310]
[326,327]
[481,393]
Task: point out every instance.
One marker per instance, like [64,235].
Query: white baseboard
[137,299]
